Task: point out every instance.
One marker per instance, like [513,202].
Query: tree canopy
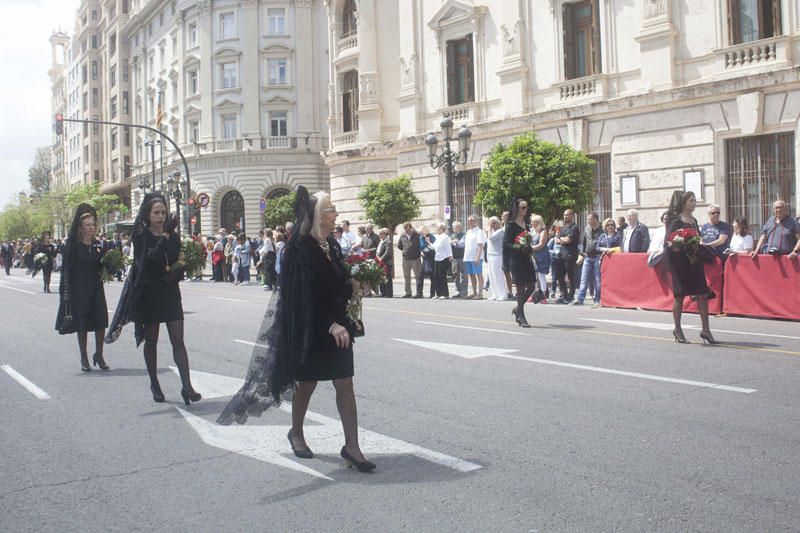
[390,202]
[279,210]
[90,194]
[39,171]
[551,177]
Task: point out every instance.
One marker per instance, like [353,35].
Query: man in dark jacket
[591,259]
[8,256]
[409,245]
[637,236]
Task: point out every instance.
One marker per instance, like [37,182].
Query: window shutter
[597,66]
[452,73]
[569,41]
[470,89]
[776,18]
[734,36]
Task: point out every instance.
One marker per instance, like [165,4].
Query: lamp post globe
[447,128]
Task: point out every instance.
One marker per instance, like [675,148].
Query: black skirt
[87,303]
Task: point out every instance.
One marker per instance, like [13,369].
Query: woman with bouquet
[46,253]
[306,335]
[517,244]
[151,295]
[82,301]
[686,265]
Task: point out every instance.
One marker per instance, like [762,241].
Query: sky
[25,58]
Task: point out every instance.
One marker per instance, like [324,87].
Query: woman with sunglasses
[522,272]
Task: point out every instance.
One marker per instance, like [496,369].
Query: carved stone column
[657,44]
[206,70]
[250,82]
[369,105]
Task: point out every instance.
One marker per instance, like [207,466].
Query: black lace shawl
[132,289]
[284,339]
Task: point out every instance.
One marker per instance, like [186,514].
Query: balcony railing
[344,139]
[460,112]
[347,43]
[588,87]
[277,143]
[228,145]
[754,53]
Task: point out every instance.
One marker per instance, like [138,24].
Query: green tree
[279,210]
[552,177]
[390,202]
[90,194]
[39,172]
[23,219]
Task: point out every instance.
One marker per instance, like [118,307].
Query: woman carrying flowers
[688,273]
[517,242]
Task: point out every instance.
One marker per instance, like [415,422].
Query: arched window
[349,20]
[277,193]
[232,211]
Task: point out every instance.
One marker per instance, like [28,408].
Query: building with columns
[242,86]
[662,94]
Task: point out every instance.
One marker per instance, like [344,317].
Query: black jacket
[589,240]
[640,240]
[409,245]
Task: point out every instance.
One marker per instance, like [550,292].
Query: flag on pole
[159,112]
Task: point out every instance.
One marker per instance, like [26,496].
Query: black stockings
[98,343]
[179,354]
[524,291]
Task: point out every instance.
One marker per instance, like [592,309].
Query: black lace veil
[514,209]
[132,289]
[284,338]
[72,239]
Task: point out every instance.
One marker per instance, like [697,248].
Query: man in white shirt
[473,256]
[355,241]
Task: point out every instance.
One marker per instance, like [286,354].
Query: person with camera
[780,235]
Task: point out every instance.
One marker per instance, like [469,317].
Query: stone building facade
[662,94]
[242,86]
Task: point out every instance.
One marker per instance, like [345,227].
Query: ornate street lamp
[448,159]
[174,188]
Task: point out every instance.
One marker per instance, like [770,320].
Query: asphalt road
[593,420]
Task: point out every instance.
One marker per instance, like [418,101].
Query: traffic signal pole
[60,128]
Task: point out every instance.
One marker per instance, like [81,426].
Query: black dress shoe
[158,396]
[85,364]
[302,454]
[363,466]
[97,359]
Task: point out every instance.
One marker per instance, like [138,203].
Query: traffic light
[59,124]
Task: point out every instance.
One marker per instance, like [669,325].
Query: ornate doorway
[232,212]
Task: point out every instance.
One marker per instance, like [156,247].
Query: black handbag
[66,322]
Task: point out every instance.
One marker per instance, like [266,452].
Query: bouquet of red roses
[685,241]
[523,242]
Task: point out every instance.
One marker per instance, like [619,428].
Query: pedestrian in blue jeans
[591,259]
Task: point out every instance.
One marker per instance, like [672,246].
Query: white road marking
[468,352]
[25,382]
[472,328]
[240,341]
[229,299]
[325,435]
[5,286]
[668,327]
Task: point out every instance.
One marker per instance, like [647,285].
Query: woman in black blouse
[688,271]
[522,272]
[151,295]
[82,301]
[307,336]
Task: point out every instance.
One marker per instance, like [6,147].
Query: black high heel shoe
[515,314]
[708,338]
[363,466]
[679,338]
[85,363]
[98,361]
[158,396]
[302,454]
[190,396]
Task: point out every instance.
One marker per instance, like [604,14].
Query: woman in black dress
[306,336]
[688,272]
[48,249]
[151,295]
[82,301]
[522,272]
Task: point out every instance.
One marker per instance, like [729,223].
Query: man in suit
[8,256]
[409,245]
[637,236]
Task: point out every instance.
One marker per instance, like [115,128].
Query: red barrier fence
[628,282]
[767,286]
